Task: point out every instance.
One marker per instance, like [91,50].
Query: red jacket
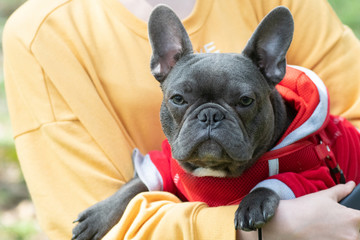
[299,164]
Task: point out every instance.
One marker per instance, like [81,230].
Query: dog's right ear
[269,43]
[169,41]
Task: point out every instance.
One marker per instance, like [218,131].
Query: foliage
[6,8]
[21,230]
[348,12]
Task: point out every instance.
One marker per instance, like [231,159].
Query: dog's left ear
[269,43]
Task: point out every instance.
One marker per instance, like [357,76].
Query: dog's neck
[284,115]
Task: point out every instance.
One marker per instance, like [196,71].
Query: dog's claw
[239,224]
[251,222]
[265,215]
[77,220]
[259,224]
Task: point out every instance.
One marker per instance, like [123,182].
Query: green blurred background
[17,214]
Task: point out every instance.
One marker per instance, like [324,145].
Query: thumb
[339,191]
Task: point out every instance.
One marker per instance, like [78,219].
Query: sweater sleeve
[160,215]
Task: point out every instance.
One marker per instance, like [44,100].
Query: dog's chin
[210,151]
[209,159]
[221,170]
[211,163]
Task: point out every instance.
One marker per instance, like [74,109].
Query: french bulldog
[220,113]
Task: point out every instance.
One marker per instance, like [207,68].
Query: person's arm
[315,216]
[65,169]
[65,158]
[160,215]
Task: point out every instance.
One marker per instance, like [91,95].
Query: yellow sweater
[81,97]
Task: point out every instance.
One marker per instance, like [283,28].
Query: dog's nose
[210,116]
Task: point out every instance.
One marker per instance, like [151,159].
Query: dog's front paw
[95,222]
[256,209]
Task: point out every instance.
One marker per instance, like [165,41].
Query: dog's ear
[169,41]
[269,43]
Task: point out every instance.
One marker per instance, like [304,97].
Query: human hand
[315,216]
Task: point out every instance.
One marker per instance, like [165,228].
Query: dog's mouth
[211,159]
[214,169]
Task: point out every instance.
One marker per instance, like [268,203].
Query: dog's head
[220,111]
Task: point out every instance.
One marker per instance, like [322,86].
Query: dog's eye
[178,100]
[246,101]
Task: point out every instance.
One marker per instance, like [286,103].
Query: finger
[340,191]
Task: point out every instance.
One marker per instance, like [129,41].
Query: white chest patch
[207,172]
